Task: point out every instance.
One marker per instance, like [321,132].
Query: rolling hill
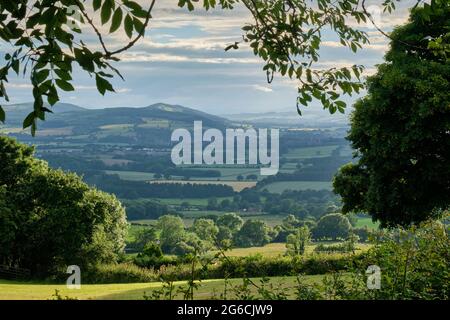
[150,126]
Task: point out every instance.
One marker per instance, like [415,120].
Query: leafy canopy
[401,131]
[46,39]
[50,219]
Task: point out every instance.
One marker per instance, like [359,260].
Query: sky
[182,61]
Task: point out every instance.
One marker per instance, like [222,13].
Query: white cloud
[142,56]
[262,88]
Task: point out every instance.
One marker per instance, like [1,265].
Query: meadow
[273,250]
[208,289]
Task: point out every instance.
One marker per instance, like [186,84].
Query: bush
[154,262]
[362,233]
[119,273]
[332,248]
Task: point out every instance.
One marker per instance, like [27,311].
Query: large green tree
[253,233]
[401,131]
[171,232]
[50,219]
[45,38]
[333,225]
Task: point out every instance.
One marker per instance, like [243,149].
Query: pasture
[208,289]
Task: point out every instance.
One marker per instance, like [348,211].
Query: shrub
[119,273]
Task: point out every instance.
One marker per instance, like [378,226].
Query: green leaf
[42,75]
[128,23]
[103,84]
[116,20]
[106,12]
[29,120]
[15,66]
[340,104]
[96,4]
[64,85]
[2,115]
[63,74]
[138,25]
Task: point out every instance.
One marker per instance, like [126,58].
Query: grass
[366,221]
[133,230]
[14,290]
[279,187]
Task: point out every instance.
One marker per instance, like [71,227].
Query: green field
[363,222]
[133,230]
[13,290]
[228,173]
[310,152]
[132,175]
[272,250]
[280,186]
[271,220]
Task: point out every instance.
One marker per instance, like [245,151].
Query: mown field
[208,289]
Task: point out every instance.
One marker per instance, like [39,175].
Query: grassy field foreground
[14,290]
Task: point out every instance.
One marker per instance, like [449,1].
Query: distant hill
[150,125]
[15,113]
[289,118]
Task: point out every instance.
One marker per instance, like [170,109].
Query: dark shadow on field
[138,294]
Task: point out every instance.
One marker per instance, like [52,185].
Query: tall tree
[50,219]
[296,242]
[401,130]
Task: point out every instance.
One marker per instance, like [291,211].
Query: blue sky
[182,61]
